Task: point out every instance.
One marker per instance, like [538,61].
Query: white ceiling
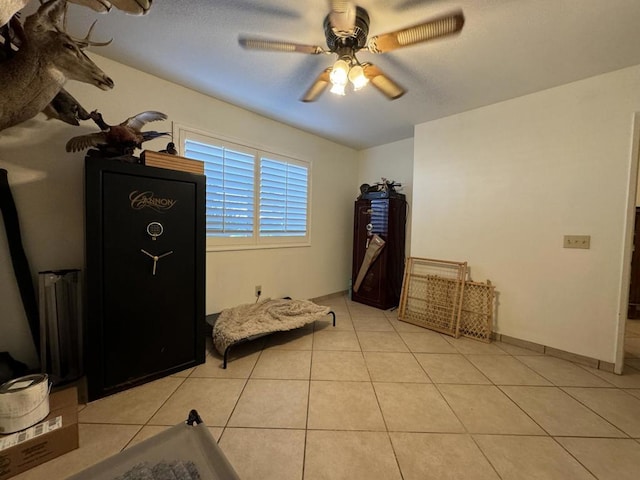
[507,48]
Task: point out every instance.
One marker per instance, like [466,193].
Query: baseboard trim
[536,347]
[555,352]
[329,296]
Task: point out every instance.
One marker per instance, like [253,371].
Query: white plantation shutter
[283,199]
[230,192]
[254,199]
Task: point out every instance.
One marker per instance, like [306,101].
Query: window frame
[182,133]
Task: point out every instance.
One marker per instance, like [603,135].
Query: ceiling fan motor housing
[356,41]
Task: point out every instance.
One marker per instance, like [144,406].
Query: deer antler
[86,41]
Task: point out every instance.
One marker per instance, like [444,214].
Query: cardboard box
[55,435]
[172,162]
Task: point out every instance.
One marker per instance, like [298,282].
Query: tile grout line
[145,424]
[244,387]
[574,457]
[558,387]
[436,386]
[564,389]
[384,420]
[306,425]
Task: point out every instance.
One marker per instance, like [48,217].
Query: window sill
[231,248]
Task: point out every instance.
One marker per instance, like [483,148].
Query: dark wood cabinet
[145,247]
[634,287]
[386,217]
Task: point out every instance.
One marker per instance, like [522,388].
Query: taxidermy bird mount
[171,149]
[117,140]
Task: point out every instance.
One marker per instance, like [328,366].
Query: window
[229,198]
[253,198]
[283,199]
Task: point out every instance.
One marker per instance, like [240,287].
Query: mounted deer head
[43,64]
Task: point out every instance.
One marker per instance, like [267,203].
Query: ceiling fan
[346,28]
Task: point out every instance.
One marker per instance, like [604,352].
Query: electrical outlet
[577,241]
[258,290]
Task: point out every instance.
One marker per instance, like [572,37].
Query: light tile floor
[375,398]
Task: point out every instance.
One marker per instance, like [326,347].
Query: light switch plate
[577,241]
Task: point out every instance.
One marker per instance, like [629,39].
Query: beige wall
[501,185]
[47,184]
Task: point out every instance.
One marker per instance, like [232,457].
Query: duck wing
[138,121]
[82,142]
[152,134]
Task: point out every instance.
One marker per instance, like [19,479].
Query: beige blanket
[245,321]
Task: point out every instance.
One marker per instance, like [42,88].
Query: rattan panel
[432,293]
[476,320]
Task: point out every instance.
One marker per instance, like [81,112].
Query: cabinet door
[142,324]
[396,243]
[371,216]
[634,287]
[149,318]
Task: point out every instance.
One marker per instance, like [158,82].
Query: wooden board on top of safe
[172,162]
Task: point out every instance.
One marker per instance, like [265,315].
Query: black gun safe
[145,273]
[386,217]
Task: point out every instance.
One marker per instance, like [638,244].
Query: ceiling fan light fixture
[339,73]
[346,30]
[338,89]
[357,77]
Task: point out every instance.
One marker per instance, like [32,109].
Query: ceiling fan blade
[318,87]
[422,32]
[278,46]
[383,83]
[134,7]
[342,17]
[102,6]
